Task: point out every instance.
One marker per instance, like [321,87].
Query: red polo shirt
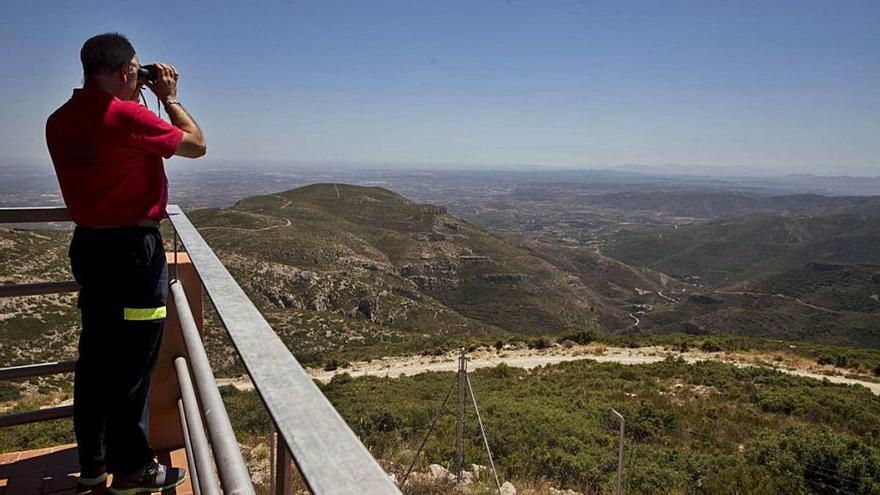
[108,158]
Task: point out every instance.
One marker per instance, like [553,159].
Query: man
[107,150]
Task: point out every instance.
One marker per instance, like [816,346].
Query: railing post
[619,454]
[283,473]
[272,440]
[176,264]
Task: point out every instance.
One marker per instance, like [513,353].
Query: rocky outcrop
[319,303]
[433,283]
[431,209]
[475,259]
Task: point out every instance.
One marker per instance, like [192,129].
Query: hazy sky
[790,86]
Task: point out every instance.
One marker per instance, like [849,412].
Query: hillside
[809,278]
[332,264]
[731,250]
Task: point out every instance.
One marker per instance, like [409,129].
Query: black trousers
[124,279]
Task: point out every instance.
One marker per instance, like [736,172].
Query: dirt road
[394,367]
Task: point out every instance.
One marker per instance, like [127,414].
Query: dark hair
[105,53]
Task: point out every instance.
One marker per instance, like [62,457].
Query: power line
[845,476]
[815,482]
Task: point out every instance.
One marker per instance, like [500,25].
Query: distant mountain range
[720,204]
[749,170]
[833,181]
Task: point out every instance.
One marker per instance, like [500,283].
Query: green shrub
[8,392]
[341,378]
[335,364]
[711,346]
[37,435]
[247,413]
[582,337]
[502,371]
[539,343]
[821,457]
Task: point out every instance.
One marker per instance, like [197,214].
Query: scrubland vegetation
[701,428]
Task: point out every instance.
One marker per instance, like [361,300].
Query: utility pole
[619,455]
[459,427]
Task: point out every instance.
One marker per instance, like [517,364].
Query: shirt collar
[92,93]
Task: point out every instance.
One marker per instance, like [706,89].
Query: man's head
[109,62]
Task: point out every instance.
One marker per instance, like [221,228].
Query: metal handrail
[188,448]
[29,371]
[32,370]
[201,469]
[35,416]
[329,455]
[233,472]
[35,214]
[38,289]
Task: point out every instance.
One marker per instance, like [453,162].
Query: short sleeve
[153,134]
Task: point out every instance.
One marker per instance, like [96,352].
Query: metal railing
[36,215]
[329,456]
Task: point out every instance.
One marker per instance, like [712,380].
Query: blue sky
[775,86]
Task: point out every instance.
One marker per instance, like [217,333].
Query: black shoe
[154,477]
[92,476]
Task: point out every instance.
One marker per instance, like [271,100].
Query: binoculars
[148,73]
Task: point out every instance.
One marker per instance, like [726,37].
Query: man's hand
[165,87]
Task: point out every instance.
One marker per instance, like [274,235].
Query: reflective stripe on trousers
[144,314]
